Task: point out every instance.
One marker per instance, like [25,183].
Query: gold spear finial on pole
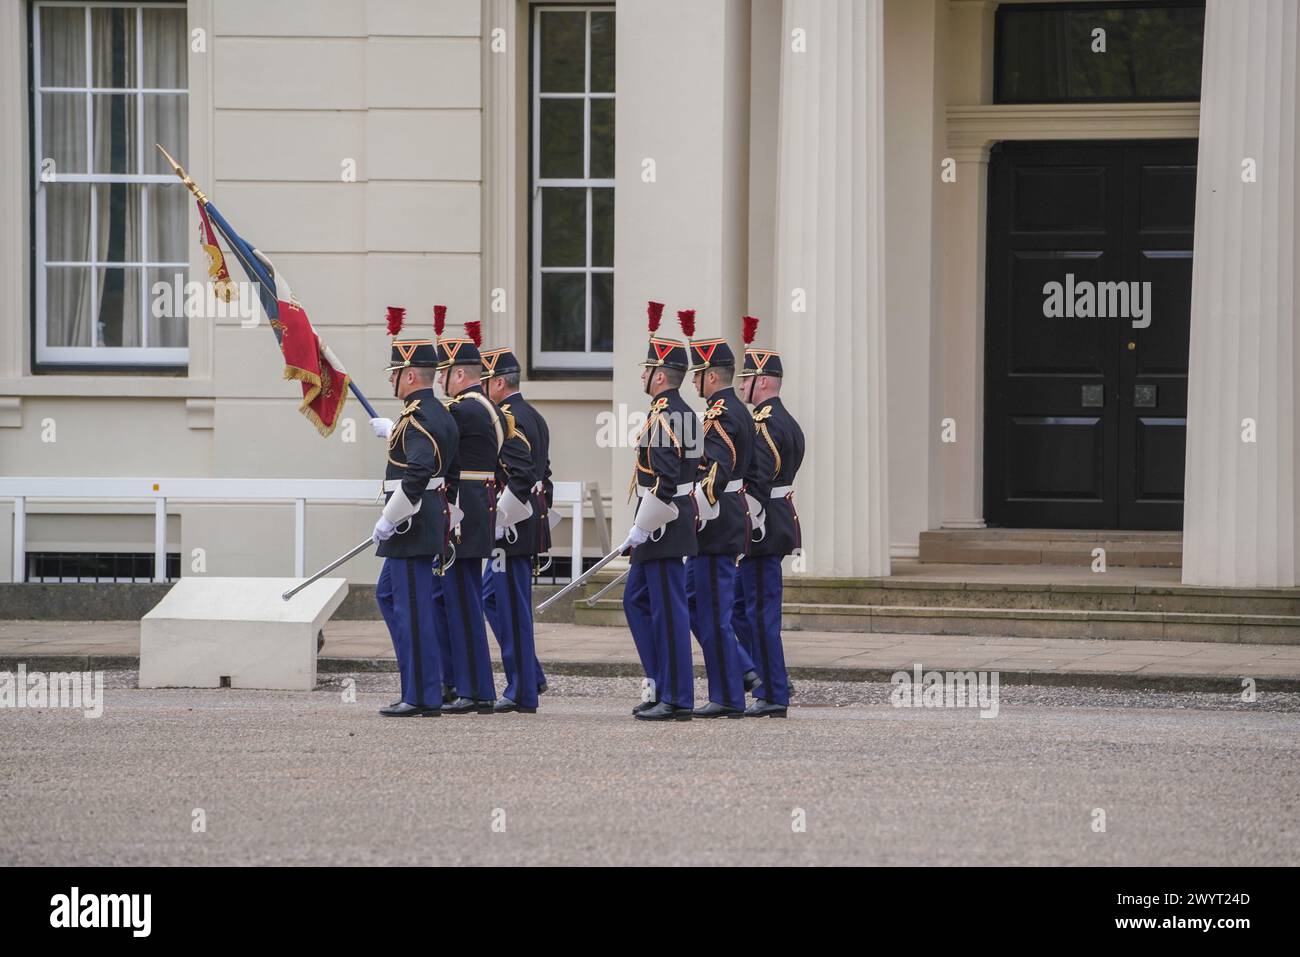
[179,170]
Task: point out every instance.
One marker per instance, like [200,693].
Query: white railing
[209,490]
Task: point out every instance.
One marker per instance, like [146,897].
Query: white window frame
[555,360]
[96,355]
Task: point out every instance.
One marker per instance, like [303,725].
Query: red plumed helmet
[750,326]
[474,330]
[687,318]
[654,312]
[396,316]
[439,319]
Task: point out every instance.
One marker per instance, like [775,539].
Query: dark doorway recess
[1085,418]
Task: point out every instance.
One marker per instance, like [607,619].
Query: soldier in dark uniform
[663,533]
[723,527]
[508,578]
[486,443]
[412,532]
[769,492]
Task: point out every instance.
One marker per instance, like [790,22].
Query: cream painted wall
[677,238]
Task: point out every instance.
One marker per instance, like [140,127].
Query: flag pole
[198,194]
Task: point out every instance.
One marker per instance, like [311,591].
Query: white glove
[383,530]
[383,427]
[637,536]
[501,532]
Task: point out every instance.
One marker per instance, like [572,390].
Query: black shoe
[644,706]
[664,711]
[765,709]
[752,680]
[402,710]
[714,710]
[463,705]
[541,688]
[506,705]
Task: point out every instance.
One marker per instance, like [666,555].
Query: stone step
[1033,546]
[920,592]
[1011,622]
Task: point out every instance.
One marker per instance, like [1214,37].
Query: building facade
[892,186]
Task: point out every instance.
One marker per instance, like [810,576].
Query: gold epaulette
[763,414]
[659,405]
[716,409]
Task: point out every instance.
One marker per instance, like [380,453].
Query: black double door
[1085,417]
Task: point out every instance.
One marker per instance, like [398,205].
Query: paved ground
[311,778]
[828,654]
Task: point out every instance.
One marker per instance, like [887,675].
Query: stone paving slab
[590,649]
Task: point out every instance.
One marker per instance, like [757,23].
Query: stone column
[829,307]
[1241,495]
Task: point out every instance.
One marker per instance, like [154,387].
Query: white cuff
[511,511]
[399,507]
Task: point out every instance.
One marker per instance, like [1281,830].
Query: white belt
[392,485]
[684,489]
[734,486]
[781,491]
[467,476]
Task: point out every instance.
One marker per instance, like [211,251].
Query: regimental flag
[323,379]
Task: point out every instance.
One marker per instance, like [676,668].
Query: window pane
[602,139]
[602,312]
[113,55]
[560,142]
[563,52]
[63,131]
[67,222]
[117,214]
[116,133]
[602,227]
[165,122]
[602,52]
[166,48]
[67,306]
[168,212]
[564,312]
[63,46]
[119,307]
[167,324]
[564,226]
[1152,52]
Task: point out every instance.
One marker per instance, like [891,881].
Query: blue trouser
[462,595]
[756,617]
[654,601]
[710,592]
[444,635]
[405,597]
[490,610]
[508,603]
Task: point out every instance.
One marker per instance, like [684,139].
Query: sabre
[352,553]
[581,579]
[591,602]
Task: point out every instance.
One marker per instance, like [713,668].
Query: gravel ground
[312,778]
